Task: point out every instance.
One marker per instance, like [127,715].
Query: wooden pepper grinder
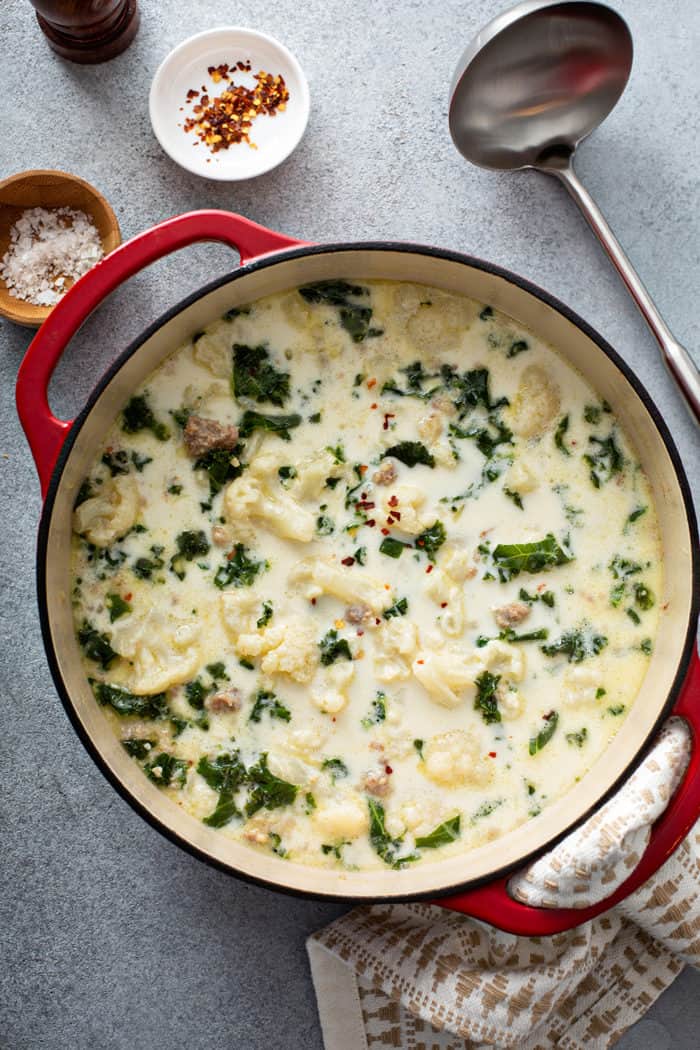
[88,31]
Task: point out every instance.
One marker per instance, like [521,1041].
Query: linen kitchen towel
[418,977]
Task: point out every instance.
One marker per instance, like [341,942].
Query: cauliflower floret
[407,500]
[455,759]
[395,645]
[292,769]
[536,403]
[266,464]
[161,648]
[288,649]
[430,427]
[102,519]
[420,815]
[504,659]
[457,562]
[214,401]
[307,742]
[312,472]
[342,818]
[520,479]
[310,321]
[240,609]
[295,656]
[330,694]
[352,586]
[440,320]
[582,685]
[247,498]
[213,349]
[446,674]
[448,595]
[443,454]
[511,702]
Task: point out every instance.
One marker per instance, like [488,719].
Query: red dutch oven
[475,883]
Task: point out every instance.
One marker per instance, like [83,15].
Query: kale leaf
[145,567]
[238,569]
[336,768]
[604,460]
[138,415]
[559,434]
[513,558]
[392,547]
[509,635]
[334,648]
[269,791]
[485,809]
[256,378]
[383,844]
[221,465]
[125,702]
[85,492]
[279,425]
[485,439]
[547,597]
[96,646]
[117,606]
[116,462]
[166,770]
[471,389]
[486,700]
[377,712]
[225,774]
[415,377]
[354,316]
[399,608]
[190,545]
[266,701]
[431,540]
[139,748]
[411,453]
[442,835]
[542,738]
[576,645]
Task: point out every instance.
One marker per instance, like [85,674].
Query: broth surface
[365,575]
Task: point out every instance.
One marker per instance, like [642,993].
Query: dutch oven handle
[492,902]
[45,433]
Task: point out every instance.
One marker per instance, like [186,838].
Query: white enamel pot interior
[551,322]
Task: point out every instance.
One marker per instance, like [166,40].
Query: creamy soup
[365,575]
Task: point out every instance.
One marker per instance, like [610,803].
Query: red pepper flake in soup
[226,119]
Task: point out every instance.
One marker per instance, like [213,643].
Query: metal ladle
[531,85]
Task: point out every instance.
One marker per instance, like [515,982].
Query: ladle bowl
[531,85]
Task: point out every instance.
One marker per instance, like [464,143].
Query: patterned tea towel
[418,977]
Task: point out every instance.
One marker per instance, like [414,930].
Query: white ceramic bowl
[186,67]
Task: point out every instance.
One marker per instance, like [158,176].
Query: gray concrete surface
[110,936]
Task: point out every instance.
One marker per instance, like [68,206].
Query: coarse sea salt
[49,249]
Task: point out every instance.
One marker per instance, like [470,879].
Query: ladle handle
[677,359]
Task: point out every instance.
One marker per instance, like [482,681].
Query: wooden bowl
[48,189]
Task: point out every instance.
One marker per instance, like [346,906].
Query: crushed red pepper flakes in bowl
[226,119]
